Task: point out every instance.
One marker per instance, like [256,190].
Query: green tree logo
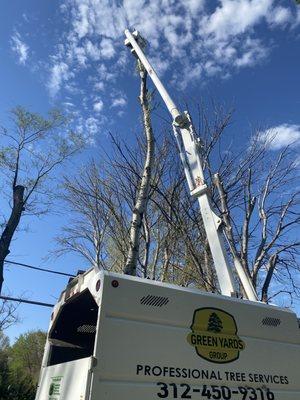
[51,389]
[214,323]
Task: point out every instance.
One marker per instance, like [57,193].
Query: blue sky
[70,54]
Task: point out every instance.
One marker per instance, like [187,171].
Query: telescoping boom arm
[189,149]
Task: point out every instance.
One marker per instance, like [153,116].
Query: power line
[37,303]
[51,271]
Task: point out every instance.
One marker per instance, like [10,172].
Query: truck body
[115,337]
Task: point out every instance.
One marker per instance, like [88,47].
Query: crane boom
[119,337]
[189,150]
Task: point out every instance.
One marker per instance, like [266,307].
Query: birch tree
[143,192]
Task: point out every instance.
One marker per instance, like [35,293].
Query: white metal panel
[67,381]
[135,338]
[142,340]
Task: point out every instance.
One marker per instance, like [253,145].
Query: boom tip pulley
[138,38]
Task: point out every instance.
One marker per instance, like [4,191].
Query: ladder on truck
[189,150]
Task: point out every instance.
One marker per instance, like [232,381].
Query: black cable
[37,303]
[40,269]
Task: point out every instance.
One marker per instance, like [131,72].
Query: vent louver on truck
[154,301]
[271,321]
[86,329]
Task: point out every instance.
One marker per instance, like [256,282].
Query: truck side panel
[161,342]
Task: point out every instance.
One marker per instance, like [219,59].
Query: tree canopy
[253,189]
[20,365]
[32,147]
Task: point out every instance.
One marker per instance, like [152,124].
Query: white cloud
[98,106]
[234,17]
[87,128]
[25,17]
[194,5]
[107,48]
[99,86]
[59,73]
[81,22]
[282,135]
[68,105]
[20,48]
[119,102]
[194,38]
[91,124]
[92,50]
[252,52]
[105,73]
[298,18]
[279,16]
[80,54]
[211,68]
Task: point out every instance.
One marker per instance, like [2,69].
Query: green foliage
[27,120]
[4,372]
[27,353]
[7,157]
[34,145]
[19,388]
[20,365]
[4,342]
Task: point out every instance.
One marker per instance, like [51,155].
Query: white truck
[114,337]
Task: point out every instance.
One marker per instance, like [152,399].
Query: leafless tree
[97,217]
[171,236]
[8,314]
[258,197]
[32,147]
[253,188]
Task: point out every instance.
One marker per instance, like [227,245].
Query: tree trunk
[166,264]
[11,226]
[143,192]
[271,269]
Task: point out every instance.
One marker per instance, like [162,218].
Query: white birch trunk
[143,192]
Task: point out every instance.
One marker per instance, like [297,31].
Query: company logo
[54,388]
[51,389]
[214,336]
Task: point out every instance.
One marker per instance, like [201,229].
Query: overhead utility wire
[37,303]
[51,271]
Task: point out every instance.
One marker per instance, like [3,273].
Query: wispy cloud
[119,102]
[87,128]
[280,16]
[281,136]
[235,17]
[98,106]
[192,39]
[59,73]
[20,48]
